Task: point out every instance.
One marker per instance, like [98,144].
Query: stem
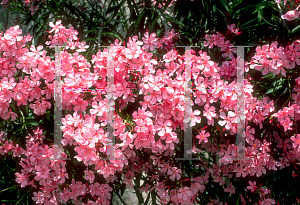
[289,96]
[7,189]
[23,119]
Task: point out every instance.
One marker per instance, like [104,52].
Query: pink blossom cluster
[161,113]
[271,58]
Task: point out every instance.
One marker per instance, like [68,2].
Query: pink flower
[80,105]
[163,126]
[266,106]
[290,15]
[40,107]
[193,119]
[267,202]
[184,194]
[232,28]
[38,197]
[174,173]
[209,113]
[22,179]
[296,140]
[89,175]
[65,196]
[8,84]
[33,9]
[10,114]
[150,42]
[81,46]
[203,136]
[230,189]
[165,167]
[252,186]
[98,109]
[95,189]
[227,120]
[210,40]
[56,27]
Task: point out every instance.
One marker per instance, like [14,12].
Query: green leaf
[214,8]
[120,114]
[259,16]
[32,123]
[270,91]
[268,75]
[268,22]
[242,26]
[113,34]
[171,19]
[225,4]
[295,30]
[92,30]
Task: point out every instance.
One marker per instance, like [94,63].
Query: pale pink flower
[98,109]
[81,46]
[56,27]
[193,119]
[227,120]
